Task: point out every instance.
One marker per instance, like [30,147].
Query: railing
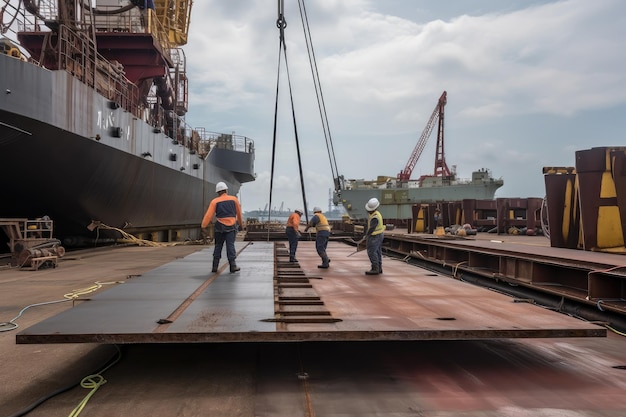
[75,52]
[134,21]
[79,57]
[18,229]
[210,140]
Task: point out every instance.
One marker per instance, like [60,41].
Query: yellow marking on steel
[419,223]
[567,210]
[607,186]
[609,227]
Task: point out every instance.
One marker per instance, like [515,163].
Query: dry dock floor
[481,374]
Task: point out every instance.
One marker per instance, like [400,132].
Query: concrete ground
[570,377]
[29,372]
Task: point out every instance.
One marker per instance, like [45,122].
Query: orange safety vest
[226,209]
[294,221]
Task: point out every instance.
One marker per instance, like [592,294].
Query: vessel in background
[397,195]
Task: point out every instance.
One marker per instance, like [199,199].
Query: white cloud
[536,79]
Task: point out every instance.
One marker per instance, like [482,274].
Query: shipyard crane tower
[441,168]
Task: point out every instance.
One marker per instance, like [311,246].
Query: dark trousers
[225,234]
[321,242]
[375,249]
[292,237]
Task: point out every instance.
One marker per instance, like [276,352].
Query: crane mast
[441,168]
[174,17]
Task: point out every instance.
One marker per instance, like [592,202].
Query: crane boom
[440,163]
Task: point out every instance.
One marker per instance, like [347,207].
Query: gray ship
[92,128]
[398,194]
[398,197]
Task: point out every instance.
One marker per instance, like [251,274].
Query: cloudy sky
[529,82]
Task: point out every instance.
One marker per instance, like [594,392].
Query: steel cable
[320,96]
[281,23]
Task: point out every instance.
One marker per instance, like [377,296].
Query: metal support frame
[591,278]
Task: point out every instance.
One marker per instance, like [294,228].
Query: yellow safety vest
[323,223]
[381,227]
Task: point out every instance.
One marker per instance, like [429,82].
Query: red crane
[441,168]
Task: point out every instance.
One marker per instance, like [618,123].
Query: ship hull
[397,203]
[68,153]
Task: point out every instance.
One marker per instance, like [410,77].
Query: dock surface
[183,302]
[443,376]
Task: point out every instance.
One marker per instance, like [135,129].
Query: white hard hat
[372,204]
[299,211]
[220,186]
[317,209]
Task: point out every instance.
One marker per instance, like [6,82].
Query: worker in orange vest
[293,233]
[227,212]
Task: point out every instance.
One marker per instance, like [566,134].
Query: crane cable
[281,23]
[320,97]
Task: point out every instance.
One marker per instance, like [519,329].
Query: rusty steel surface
[183,302]
[592,279]
[547,377]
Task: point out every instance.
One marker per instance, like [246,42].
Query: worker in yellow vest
[375,235]
[322,227]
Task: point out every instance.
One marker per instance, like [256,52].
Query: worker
[374,235]
[227,212]
[437,217]
[322,234]
[293,233]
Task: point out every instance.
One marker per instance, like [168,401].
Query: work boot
[216,263]
[374,271]
[292,259]
[325,262]
[234,267]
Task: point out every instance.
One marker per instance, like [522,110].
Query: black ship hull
[76,180]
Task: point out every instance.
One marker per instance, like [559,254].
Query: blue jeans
[321,242]
[225,234]
[292,237]
[375,249]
